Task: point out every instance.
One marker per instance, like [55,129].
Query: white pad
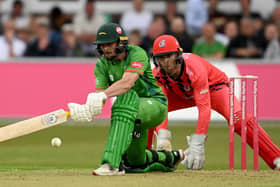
[195,155]
[276,163]
[95,101]
[80,112]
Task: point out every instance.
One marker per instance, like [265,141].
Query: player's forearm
[204,113]
[117,88]
[203,103]
[203,121]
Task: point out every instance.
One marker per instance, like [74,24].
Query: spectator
[134,37]
[246,44]
[57,19]
[10,46]
[86,24]
[275,18]
[70,47]
[246,9]
[23,33]
[1,24]
[207,46]
[230,32]
[33,27]
[216,17]
[259,26]
[178,30]
[156,28]
[171,13]
[273,49]
[138,18]
[196,16]
[42,45]
[17,14]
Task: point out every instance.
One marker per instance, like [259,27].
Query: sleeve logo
[138,65]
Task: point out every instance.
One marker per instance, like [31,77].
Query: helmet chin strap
[178,61]
[113,57]
[172,75]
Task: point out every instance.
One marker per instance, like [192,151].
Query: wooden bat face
[34,124]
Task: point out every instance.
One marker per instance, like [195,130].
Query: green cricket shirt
[108,72]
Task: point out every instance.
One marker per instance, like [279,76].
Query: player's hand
[95,101]
[164,140]
[194,155]
[79,112]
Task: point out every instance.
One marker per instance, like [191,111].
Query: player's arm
[138,62]
[85,112]
[122,85]
[195,154]
[95,101]
[203,103]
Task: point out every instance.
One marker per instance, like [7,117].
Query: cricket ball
[56,142]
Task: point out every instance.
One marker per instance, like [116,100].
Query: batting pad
[124,113]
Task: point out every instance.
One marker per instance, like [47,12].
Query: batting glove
[164,140]
[80,112]
[95,101]
[194,155]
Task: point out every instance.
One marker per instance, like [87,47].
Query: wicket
[244,84]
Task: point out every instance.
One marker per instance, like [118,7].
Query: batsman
[189,80]
[124,71]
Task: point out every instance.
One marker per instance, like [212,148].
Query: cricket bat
[33,124]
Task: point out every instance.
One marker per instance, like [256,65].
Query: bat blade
[34,124]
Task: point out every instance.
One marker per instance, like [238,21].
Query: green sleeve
[138,61]
[101,78]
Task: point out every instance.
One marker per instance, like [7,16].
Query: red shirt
[198,76]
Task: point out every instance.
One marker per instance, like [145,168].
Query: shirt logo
[119,30]
[138,65]
[187,88]
[203,91]
[162,43]
[111,77]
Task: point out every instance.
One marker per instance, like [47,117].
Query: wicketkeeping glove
[79,112]
[194,155]
[95,101]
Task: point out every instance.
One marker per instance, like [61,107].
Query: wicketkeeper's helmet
[166,44]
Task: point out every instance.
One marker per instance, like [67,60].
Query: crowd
[203,30]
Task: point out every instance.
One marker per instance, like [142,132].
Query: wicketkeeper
[189,80]
[124,71]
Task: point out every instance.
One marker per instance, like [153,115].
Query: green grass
[31,161]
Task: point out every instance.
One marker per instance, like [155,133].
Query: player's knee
[126,105]
[128,98]
[238,120]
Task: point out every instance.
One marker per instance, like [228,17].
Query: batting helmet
[109,33]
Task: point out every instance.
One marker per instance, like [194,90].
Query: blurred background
[47,57]
[214,29]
